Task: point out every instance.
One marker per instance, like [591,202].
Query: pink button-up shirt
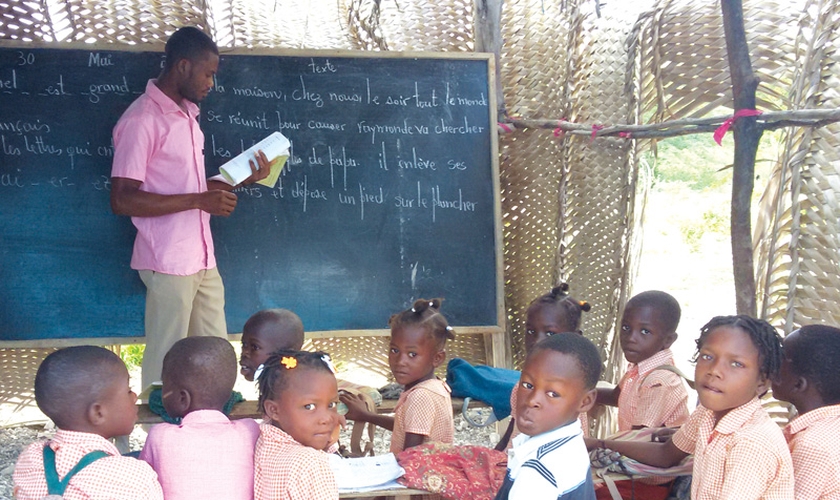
[207,456]
[161,145]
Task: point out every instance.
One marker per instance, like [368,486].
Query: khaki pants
[178,307]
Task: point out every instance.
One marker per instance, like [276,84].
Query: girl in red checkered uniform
[424,411]
[739,452]
[299,395]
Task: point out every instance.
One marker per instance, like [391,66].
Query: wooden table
[395,493]
[249,409]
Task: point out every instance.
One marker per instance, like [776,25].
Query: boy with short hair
[207,455]
[549,457]
[810,380]
[648,395]
[267,331]
[85,391]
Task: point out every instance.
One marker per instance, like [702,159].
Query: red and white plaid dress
[652,398]
[287,470]
[115,477]
[814,441]
[743,457]
[425,409]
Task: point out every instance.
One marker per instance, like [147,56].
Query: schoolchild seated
[810,380]
[85,391]
[206,455]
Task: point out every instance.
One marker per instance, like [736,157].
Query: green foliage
[132,355]
[716,223]
[711,222]
[698,162]
[694,160]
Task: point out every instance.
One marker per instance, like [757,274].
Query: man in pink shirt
[158,179]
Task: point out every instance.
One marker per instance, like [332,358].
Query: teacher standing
[158,178]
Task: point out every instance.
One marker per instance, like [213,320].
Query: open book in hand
[276,149]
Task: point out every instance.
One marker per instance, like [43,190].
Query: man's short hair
[188,43]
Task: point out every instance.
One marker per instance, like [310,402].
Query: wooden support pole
[747,135]
[488,38]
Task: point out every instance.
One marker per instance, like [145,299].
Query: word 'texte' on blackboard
[390,193]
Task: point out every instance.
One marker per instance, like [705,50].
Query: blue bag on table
[484,383]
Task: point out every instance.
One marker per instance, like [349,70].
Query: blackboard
[391,192]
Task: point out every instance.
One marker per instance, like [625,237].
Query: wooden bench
[405,493]
[395,493]
[249,409]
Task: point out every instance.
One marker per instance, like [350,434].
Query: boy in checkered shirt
[647,395]
[810,380]
[84,390]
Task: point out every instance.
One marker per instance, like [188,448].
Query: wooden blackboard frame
[493,331]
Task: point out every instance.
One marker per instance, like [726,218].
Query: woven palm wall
[684,71]
[598,216]
[535,73]
[797,241]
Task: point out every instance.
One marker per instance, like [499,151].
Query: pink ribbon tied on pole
[724,127]
[559,132]
[595,129]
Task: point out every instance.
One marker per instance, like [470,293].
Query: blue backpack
[484,383]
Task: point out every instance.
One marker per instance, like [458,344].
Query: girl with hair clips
[552,313]
[299,396]
[549,314]
[424,410]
